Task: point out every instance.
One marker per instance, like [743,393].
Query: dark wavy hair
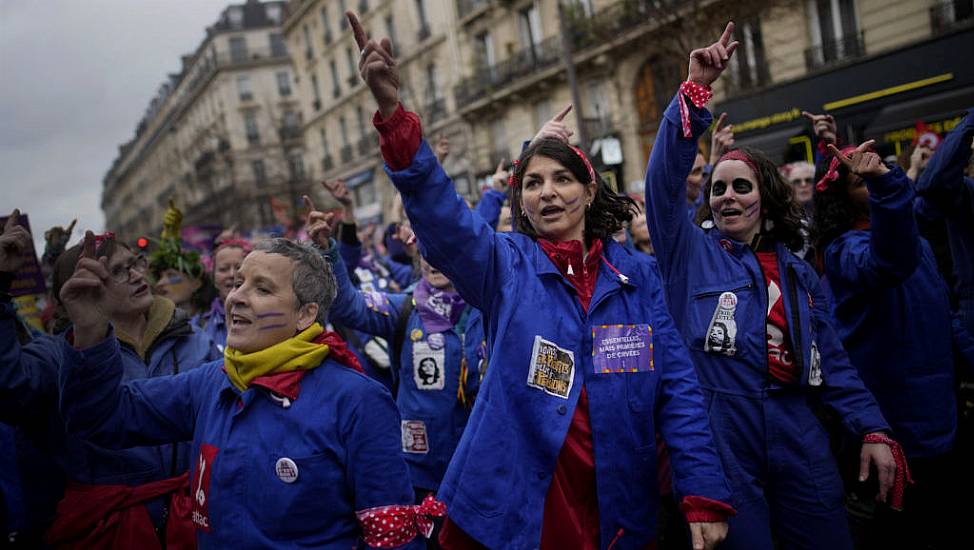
[609,212]
[834,212]
[777,202]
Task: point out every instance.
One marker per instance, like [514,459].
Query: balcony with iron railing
[346,153]
[488,78]
[469,7]
[834,51]
[289,132]
[327,163]
[948,16]
[207,65]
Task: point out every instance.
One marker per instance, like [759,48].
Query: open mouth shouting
[238,321]
[551,212]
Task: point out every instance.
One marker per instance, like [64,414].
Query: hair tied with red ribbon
[512,179]
[832,174]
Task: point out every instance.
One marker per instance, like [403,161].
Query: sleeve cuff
[400,136]
[705,510]
[889,183]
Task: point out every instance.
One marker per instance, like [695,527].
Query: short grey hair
[313,280]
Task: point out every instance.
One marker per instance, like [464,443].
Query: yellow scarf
[297,353]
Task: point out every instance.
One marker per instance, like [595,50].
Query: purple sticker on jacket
[622,348]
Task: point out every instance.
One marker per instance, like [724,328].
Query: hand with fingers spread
[823,126]
[442,148]
[319,224]
[555,128]
[83,296]
[879,455]
[706,64]
[377,67]
[500,177]
[863,161]
[706,536]
[13,242]
[722,139]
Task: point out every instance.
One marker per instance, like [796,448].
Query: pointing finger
[720,122]
[88,250]
[728,32]
[564,112]
[71,226]
[357,30]
[308,204]
[12,221]
[838,154]
[865,146]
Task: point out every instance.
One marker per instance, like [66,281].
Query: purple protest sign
[28,279]
[622,348]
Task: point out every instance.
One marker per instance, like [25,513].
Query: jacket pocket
[289,490]
[486,481]
[716,315]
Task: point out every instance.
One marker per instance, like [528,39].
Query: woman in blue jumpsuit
[761,378]
[584,360]
[892,311]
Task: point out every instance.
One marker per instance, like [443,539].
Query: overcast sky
[75,78]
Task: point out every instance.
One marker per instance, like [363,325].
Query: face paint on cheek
[751,209]
[271,314]
[273,327]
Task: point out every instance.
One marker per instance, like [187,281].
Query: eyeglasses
[123,273]
[803,181]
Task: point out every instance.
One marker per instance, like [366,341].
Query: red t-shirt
[781,359]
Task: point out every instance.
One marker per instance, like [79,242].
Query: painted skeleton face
[735,200]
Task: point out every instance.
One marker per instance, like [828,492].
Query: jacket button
[562,409]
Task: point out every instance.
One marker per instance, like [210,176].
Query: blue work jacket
[892,311]
[268,471]
[542,350]
[438,373]
[700,266]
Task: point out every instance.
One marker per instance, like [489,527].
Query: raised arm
[97,406]
[94,402]
[892,253]
[375,313]
[28,372]
[942,182]
[454,239]
[673,154]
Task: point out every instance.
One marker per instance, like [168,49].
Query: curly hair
[834,211]
[777,202]
[609,212]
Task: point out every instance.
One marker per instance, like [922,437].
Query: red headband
[832,173]
[235,243]
[512,180]
[737,154]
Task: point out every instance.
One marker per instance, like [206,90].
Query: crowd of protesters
[749,356]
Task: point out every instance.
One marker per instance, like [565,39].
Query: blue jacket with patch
[29,400]
[541,347]
[267,471]
[892,312]
[433,409]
